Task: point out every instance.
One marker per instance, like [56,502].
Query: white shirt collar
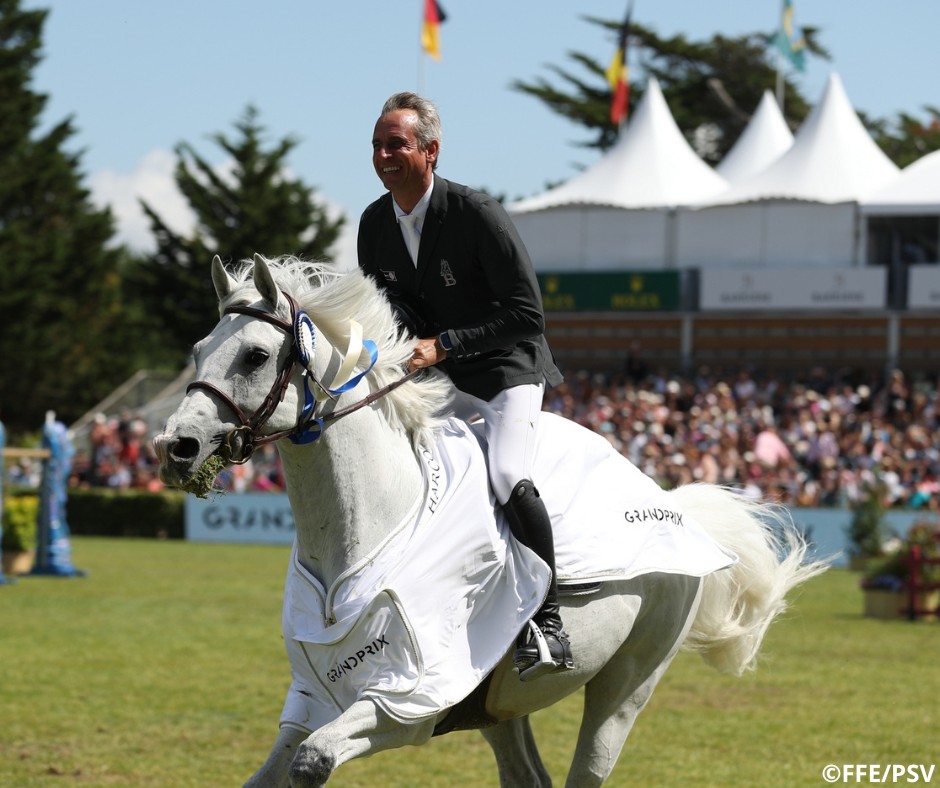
[419,210]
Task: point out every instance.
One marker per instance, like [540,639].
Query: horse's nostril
[184,448]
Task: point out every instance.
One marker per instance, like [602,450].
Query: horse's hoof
[310,768]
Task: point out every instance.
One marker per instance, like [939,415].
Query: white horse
[287,363]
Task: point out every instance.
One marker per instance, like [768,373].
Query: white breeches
[510,432]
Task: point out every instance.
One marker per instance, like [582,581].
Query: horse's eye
[255,357]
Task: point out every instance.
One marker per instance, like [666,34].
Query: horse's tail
[739,604]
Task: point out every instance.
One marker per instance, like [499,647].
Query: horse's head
[269,370]
[257,380]
[240,385]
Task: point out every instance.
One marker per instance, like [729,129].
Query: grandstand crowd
[815,441]
[809,442]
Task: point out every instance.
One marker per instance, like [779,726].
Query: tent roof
[833,159]
[650,166]
[915,191]
[764,140]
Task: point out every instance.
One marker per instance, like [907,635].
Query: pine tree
[255,208]
[715,84]
[59,284]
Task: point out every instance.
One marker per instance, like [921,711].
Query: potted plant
[19,533]
[866,530]
[923,542]
[884,586]
[885,583]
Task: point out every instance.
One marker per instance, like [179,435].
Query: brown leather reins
[240,442]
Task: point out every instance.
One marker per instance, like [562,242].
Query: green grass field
[165,667]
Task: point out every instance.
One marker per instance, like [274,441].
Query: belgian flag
[618,75]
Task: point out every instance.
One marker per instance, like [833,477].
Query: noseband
[240,442]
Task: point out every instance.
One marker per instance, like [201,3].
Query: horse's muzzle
[176,456]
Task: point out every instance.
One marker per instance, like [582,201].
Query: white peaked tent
[764,140]
[916,191]
[833,159]
[618,213]
[799,210]
[650,166]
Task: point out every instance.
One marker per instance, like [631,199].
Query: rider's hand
[427,353]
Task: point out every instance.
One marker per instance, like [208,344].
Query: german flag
[618,75]
[430,28]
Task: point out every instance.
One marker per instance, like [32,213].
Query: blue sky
[139,77]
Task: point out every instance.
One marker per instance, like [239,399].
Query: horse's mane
[333,297]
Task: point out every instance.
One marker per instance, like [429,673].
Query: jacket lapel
[433,221]
[395,264]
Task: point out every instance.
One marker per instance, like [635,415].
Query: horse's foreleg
[362,729]
[517,756]
[273,773]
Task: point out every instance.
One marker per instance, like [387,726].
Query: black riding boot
[543,645]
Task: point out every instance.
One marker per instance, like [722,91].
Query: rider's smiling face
[403,166]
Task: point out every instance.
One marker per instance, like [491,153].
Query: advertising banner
[265,518]
[923,287]
[625,291]
[811,289]
[257,518]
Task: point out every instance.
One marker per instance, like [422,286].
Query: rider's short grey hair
[428,126]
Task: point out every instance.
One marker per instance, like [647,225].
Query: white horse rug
[420,622]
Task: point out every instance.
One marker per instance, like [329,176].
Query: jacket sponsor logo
[662,515]
[447,275]
[354,661]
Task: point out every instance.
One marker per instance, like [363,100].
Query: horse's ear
[264,282]
[220,278]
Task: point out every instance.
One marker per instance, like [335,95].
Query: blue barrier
[53,547]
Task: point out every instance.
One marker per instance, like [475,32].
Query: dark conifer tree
[59,284]
[256,207]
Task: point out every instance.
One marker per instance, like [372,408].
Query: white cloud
[153,182]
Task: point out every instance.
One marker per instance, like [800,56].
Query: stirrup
[529,666]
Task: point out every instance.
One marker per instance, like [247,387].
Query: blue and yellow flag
[787,40]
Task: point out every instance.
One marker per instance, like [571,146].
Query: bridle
[239,443]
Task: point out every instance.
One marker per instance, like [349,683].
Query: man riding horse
[454,267]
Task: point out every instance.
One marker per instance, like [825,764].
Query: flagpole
[421,57]
[780,82]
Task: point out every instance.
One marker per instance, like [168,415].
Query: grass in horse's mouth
[202,481]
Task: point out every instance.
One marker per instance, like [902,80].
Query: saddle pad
[443,598]
[609,519]
[439,602]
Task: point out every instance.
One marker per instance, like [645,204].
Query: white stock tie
[411,234]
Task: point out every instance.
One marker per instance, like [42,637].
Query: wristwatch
[444,339]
